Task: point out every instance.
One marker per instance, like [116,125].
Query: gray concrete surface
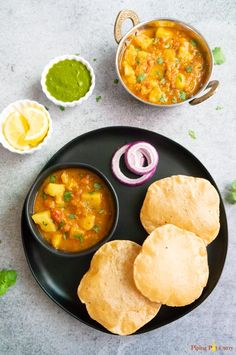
[31,33]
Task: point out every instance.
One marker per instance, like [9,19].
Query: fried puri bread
[188,202]
[109,292]
[172,266]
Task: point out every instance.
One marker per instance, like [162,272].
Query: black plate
[59,277]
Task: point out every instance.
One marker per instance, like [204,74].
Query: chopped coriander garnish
[182,95]
[193,42]
[77,54]
[7,279]
[94,59]
[174,100]
[162,98]
[167,45]
[96,228]
[189,69]
[140,77]
[116,81]
[219,108]
[101,211]
[180,78]
[52,178]
[79,236]
[72,216]
[98,98]
[67,196]
[61,224]
[46,108]
[44,196]
[138,61]
[231,197]
[218,55]
[62,108]
[192,134]
[97,186]
[159,60]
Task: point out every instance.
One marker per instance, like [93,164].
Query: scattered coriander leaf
[79,236]
[72,216]
[96,228]
[219,108]
[77,54]
[162,98]
[182,95]
[52,178]
[193,42]
[180,78]
[218,55]
[233,185]
[62,108]
[94,59]
[97,186]
[189,69]
[159,60]
[192,134]
[140,77]
[101,211]
[7,279]
[44,196]
[116,81]
[98,98]
[138,61]
[46,108]
[67,196]
[61,224]
[174,100]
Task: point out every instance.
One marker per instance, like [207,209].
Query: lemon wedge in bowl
[24,126]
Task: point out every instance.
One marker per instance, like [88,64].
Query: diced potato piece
[128,70]
[45,221]
[169,55]
[143,41]
[94,199]
[157,71]
[184,54]
[180,81]
[56,240]
[142,55]
[163,33]
[55,190]
[130,55]
[76,231]
[87,222]
[155,95]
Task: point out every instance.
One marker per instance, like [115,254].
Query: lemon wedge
[26,128]
[14,130]
[38,126]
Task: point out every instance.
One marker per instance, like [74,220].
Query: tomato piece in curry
[163,65]
[74,209]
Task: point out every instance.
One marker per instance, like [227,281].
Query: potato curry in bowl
[72,209]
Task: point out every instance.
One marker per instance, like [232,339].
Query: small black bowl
[30,200]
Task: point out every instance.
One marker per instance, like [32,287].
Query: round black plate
[59,277]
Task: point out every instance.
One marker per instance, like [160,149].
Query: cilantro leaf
[189,69]
[116,81]
[159,60]
[98,98]
[182,95]
[97,186]
[52,178]
[233,185]
[61,224]
[219,108]
[192,134]
[62,108]
[67,196]
[218,55]
[72,216]
[163,98]
[193,42]
[79,236]
[44,196]
[7,279]
[96,228]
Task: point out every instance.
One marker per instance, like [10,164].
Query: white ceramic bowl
[59,59]
[18,105]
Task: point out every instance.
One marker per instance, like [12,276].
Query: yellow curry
[163,65]
[74,209]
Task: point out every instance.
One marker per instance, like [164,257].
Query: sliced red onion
[148,151]
[123,178]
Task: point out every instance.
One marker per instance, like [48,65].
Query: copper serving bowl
[209,86]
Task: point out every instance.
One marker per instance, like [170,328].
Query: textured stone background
[31,33]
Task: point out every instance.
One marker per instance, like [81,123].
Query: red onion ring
[123,178]
[148,151]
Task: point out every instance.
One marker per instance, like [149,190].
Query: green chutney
[68,80]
